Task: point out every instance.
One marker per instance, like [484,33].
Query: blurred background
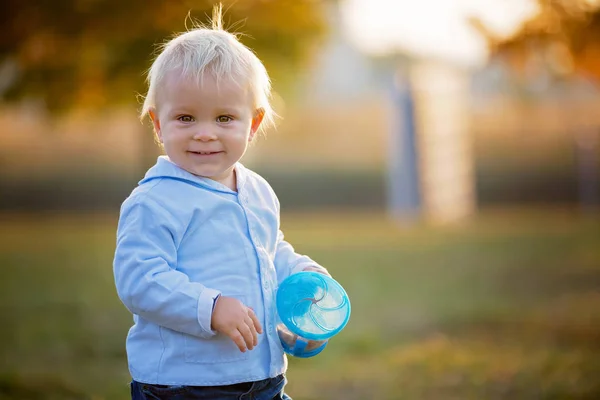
[440,157]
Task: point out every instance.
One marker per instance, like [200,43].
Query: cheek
[238,141]
[238,132]
[247,129]
[174,134]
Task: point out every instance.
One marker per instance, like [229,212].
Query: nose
[204,134]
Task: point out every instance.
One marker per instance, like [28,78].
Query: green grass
[506,306]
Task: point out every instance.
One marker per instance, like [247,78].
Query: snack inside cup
[290,339]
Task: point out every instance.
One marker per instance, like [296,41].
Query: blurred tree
[563,38]
[93,53]
[564,35]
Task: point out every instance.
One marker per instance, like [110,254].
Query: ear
[256,121]
[156,123]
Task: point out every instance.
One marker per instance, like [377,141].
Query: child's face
[205,129]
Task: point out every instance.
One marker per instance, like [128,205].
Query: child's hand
[319,270]
[232,318]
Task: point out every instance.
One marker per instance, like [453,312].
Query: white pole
[404,202]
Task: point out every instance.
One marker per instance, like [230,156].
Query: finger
[247,335]
[238,339]
[250,324]
[255,320]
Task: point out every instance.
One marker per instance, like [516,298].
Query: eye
[223,119]
[185,118]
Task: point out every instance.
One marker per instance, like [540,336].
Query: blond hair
[215,51]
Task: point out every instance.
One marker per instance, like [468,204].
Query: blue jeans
[268,389]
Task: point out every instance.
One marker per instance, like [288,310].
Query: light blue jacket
[182,240]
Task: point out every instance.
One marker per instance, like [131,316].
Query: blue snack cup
[312,308]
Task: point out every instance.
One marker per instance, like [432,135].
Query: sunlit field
[506,306]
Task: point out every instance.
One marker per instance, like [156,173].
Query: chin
[203,174]
[211,174]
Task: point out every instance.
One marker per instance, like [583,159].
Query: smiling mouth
[205,153]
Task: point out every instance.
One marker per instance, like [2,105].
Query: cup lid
[312,305]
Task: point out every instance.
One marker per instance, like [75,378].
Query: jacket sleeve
[146,278]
